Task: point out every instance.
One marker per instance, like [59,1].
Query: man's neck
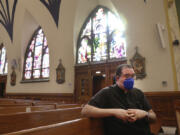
[122,88]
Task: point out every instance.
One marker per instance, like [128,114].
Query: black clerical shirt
[114,97]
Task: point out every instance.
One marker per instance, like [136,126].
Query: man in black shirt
[124,109]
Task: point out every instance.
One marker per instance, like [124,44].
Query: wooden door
[83,88]
[99,82]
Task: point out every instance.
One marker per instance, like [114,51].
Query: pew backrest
[26,120]
[17,109]
[83,126]
[67,105]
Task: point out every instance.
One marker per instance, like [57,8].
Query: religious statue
[138,63]
[13,77]
[60,73]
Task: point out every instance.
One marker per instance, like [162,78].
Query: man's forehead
[127,70]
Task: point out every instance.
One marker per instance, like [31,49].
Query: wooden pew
[67,105]
[7,101]
[83,126]
[15,105]
[162,104]
[10,110]
[20,121]
[156,127]
[177,111]
[15,101]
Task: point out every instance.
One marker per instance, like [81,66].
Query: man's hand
[136,114]
[122,114]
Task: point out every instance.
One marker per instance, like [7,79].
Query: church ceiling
[53,6]
[7,16]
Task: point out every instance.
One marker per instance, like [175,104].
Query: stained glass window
[102,37]
[3,61]
[36,64]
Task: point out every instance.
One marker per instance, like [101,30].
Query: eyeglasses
[128,75]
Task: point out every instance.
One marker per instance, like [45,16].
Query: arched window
[102,37]
[3,61]
[36,64]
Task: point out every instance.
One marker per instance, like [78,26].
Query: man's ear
[117,77]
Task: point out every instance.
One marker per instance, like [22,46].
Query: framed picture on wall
[138,63]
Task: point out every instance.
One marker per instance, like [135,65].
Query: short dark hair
[120,68]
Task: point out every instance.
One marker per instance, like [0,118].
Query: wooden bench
[26,120]
[156,127]
[7,101]
[15,101]
[83,126]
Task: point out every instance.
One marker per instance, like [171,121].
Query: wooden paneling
[177,109]
[162,103]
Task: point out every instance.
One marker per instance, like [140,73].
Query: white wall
[140,19]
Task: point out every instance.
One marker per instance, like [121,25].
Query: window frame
[32,79]
[90,16]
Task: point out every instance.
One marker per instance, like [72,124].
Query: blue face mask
[128,83]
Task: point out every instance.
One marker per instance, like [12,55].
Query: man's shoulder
[137,91]
[107,89]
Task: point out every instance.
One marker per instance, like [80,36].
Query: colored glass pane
[31,48]
[117,45]
[36,73]
[45,72]
[27,74]
[47,51]
[45,42]
[87,30]
[37,57]
[39,41]
[84,51]
[29,63]
[3,62]
[99,22]
[6,68]
[100,47]
[45,61]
